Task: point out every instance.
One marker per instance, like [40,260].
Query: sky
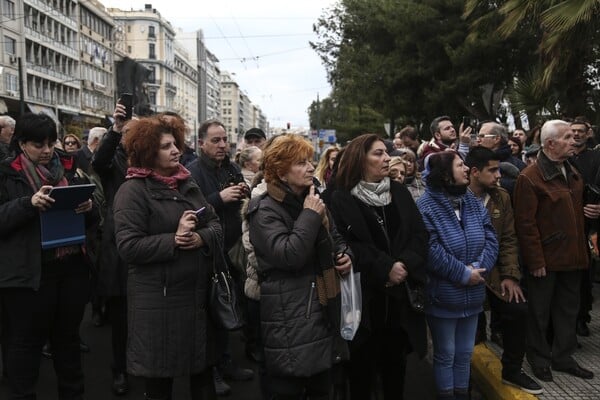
[264,43]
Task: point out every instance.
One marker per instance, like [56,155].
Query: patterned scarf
[39,175]
[172,181]
[327,280]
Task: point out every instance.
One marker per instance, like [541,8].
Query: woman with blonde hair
[249,161]
[397,169]
[325,166]
[412,180]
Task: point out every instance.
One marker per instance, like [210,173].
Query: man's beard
[448,142]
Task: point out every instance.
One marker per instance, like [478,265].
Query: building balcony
[50,42]
[171,88]
[53,13]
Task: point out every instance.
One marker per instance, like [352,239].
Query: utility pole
[21,90]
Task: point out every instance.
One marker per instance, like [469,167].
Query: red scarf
[171,181]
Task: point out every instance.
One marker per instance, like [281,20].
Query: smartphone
[200,211]
[466,122]
[126,99]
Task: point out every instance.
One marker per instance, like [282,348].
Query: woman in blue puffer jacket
[462,251]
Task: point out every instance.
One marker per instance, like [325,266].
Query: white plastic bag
[351,304]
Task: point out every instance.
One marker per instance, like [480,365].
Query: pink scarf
[171,181]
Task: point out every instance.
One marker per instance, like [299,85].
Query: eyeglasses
[482,136]
[70,143]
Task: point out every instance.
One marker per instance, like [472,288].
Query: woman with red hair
[299,255]
[169,245]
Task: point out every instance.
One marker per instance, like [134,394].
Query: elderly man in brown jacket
[504,293]
[549,217]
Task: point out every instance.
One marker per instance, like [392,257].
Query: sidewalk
[487,369]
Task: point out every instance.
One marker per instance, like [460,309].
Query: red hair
[142,140]
[282,153]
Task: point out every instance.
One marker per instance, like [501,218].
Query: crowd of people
[439,231]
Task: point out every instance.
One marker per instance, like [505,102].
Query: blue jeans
[453,341]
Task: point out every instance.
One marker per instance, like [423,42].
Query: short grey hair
[498,130]
[550,129]
[96,133]
[6,120]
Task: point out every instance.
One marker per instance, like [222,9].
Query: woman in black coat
[168,245]
[381,223]
[43,291]
[299,255]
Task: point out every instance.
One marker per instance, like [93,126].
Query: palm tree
[569,32]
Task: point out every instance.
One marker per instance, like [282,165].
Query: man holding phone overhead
[110,163]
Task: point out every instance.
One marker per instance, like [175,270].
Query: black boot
[120,383]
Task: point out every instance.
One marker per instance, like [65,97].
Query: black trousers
[117,313]
[53,312]
[512,319]
[316,387]
[201,387]
[554,298]
[383,353]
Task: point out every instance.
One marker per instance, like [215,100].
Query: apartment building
[186,83]
[57,59]
[150,40]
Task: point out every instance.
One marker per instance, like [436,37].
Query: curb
[486,370]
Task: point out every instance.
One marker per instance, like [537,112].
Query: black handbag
[224,306]
[416,297]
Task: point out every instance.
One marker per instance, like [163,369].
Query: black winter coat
[298,339]
[20,238]
[358,224]
[212,179]
[110,163]
[169,333]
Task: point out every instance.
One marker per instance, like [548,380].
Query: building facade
[57,58]
[186,84]
[150,40]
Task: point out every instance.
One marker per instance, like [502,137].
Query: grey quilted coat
[169,331]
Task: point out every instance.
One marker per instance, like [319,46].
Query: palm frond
[566,15]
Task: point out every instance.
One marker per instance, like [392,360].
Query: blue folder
[60,225]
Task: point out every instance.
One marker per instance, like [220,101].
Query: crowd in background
[438,230]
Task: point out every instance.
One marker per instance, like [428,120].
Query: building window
[151,33]
[151,51]
[10,45]
[128,28]
[152,75]
[11,82]
[9,9]
[129,49]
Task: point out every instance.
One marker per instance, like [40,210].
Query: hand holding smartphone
[126,99]
[199,212]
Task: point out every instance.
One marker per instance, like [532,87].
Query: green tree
[348,121]
[561,75]
[411,60]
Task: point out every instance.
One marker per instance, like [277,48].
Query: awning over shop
[34,108]
[3,107]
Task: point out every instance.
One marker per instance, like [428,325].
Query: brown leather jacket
[549,217]
[507,264]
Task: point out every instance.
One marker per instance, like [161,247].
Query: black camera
[591,194]
[233,180]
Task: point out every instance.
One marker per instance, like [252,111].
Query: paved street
[419,381]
